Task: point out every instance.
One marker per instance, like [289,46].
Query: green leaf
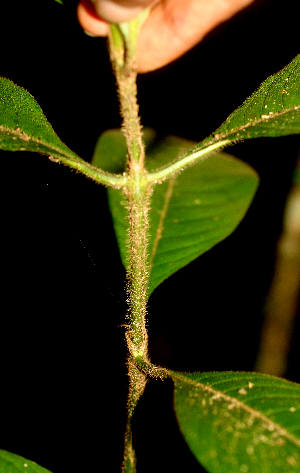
[24,127]
[12,463]
[272,110]
[191,212]
[239,422]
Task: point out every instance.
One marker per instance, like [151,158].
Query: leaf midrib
[255,122]
[21,135]
[239,404]
[160,226]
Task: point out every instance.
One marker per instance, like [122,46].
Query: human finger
[175,26]
[94,15]
[89,20]
[172,28]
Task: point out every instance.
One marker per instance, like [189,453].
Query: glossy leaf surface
[191,212]
[272,110]
[24,127]
[239,422]
[12,463]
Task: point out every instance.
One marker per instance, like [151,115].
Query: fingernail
[90,34]
[114,12]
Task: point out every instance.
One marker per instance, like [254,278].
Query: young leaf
[191,212]
[272,110]
[12,463]
[239,422]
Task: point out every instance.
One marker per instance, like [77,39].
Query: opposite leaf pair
[232,422]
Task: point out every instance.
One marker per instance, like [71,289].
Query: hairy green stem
[137,191]
[122,53]
[138,196]
[137,382]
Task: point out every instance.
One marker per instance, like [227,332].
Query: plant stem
[137,191]
[138,205]
[122,53]
[137,382]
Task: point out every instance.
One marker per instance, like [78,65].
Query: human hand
[172,28]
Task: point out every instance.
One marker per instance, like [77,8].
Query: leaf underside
[179,209]
[237,422]
[190,213]
[12,463]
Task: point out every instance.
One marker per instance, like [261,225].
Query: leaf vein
[238,404]
[159,230]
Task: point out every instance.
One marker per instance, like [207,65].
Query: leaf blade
[207,202]
[23,126]
[12,463]
[273,110]
[239,422]
[190,213]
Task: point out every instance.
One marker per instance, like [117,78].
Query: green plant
[231,421]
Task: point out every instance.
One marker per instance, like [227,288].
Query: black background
[63,377]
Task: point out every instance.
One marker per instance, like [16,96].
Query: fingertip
[89,20]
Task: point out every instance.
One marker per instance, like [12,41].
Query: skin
[172,28]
